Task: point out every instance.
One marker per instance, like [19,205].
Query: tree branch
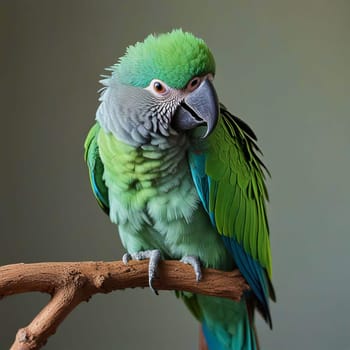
[70,283]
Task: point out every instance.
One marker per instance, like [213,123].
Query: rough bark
[70,283]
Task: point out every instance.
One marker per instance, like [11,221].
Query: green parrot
[180,177]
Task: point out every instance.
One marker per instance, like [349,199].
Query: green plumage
[93,160]
[238,180]
[166,188]
[168,218]
[154,203]
[183,56]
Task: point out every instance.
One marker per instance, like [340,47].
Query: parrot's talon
[126,257]
[195,263]
[154,257]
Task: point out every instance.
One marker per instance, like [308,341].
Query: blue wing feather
[252,272]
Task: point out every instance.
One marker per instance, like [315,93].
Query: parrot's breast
[154,202]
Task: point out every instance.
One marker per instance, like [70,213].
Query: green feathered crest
[173,57]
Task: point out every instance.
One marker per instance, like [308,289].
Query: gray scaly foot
[195,263]
[154,258]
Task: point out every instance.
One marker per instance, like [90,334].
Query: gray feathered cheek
[158,120]
[143,115]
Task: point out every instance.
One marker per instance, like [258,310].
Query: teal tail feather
[243,339]
[226,324]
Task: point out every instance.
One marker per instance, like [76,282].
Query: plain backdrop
[282,66]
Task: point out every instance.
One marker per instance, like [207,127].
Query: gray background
[281,65]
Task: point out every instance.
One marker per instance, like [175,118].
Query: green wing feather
[229,178]
[237,192]
[96,169]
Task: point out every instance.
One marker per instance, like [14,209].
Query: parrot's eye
[159,87]
[193,84]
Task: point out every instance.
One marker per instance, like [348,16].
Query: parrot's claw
[154,258]
[195,263]
[126,257]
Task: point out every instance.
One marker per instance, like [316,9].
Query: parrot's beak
[200,107]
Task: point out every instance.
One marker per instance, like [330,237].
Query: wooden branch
[70,283]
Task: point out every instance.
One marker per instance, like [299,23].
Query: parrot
[181,177]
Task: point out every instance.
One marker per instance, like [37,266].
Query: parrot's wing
[96,169]
[230,182]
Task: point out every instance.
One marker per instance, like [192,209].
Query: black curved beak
[200,107]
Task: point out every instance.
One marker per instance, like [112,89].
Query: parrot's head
[160,87]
